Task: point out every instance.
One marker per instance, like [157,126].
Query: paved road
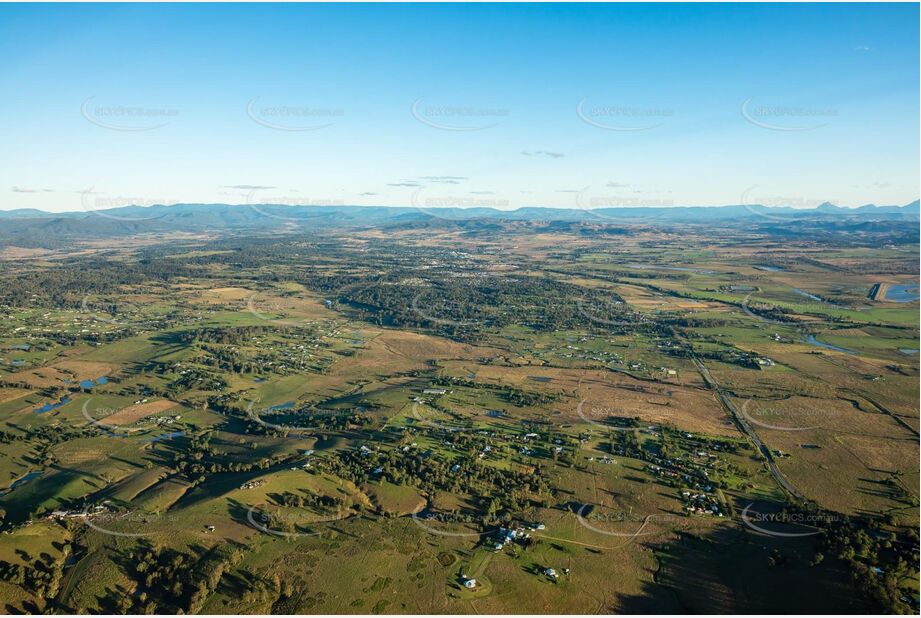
[746,427]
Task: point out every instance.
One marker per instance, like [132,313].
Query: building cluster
[702,504]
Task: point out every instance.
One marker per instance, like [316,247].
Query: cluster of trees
[235,335]
[200,458]
[501,493]
[219,350]
[43,438]
[43,578]
[196,378]
[705,442]
[306,416]
[454,306]
[238,361]
[512,395]
[670,454]
[282,594]
[322,421]
[68,285]
[773,312]
[878,560]
[732,357]
[461,307]
[171,582]
[311,500]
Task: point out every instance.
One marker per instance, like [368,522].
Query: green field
[285,431]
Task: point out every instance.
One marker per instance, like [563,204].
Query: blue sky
[574,105]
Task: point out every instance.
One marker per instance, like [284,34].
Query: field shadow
[730,570]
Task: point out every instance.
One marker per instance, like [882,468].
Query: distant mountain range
[31,227]
[375,214]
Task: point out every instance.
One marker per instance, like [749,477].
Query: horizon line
[485,207]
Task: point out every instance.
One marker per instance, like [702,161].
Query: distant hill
[22,213]
[31,227]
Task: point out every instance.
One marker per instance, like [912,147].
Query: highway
[747,429]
